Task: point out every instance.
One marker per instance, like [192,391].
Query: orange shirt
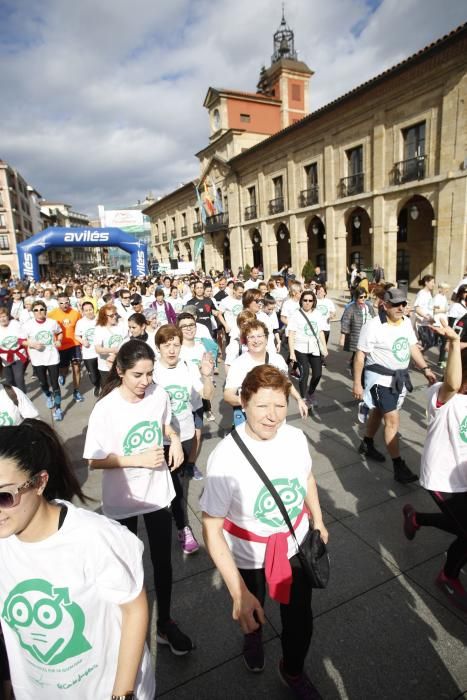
[67,321]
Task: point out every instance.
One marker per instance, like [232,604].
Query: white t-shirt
[108,337]
[61,617]
[233,490]
[176,304]
[10,414]
[457,310]
[233,350]
[288,307]
[387,344]
[325,307]
[183,385]
[444,457]
[85,330]
[243,364]
[424,300]
[440,302]
[161,313]
[230,308]
[43,333]
[192,354]
[117,426]
[251,284]
[279,294]
[305,340]
[269,323]
[9,336]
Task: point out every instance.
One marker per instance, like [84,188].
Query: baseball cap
[395,296]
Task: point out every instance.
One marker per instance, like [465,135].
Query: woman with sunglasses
[126,431]
[307,345]
[16,305]
[43,337]
[108,337]
[355,315]
[75,613]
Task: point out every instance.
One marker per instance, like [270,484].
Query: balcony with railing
[352,185]
[409,170]
[308,197]
[251,212]
[173,233]
[276,205]
[164,236]
[218,222]
[197,227]
[183,231]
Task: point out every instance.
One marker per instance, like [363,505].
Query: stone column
[269,249]
[390,258]
[378,230]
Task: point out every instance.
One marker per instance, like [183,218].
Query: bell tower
[287,78]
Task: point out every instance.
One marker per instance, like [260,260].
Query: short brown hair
[168,332]
[264,377]
[251,326]
[249,296]
[245,316]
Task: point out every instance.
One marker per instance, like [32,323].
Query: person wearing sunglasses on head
[74,608]
[386,345]
[108,337]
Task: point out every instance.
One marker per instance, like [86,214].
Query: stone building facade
[377,177]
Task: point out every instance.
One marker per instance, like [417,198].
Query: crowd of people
[74,608]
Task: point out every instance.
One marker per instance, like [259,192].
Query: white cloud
[102,102]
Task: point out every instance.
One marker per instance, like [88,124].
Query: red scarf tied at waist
[277,566]
[14,354]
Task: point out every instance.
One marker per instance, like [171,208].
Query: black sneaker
[97,391]
[370,452]
[402,473]
[171,635]
[253,652]
[301,686]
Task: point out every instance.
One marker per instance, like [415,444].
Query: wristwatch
[127,696]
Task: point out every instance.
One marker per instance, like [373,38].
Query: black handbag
[312,553]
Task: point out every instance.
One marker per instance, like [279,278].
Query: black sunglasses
[399,303]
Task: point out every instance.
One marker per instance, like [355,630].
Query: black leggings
[14,374]
[94,374]
[159,528]
[452,519]
[307,362]
[41,372]
[296,617]
[179,504]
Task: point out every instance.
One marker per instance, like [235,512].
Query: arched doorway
[226,259]
[257,248]
[358,226]
[188,252]
[316,235]
[284,255]
[415,240]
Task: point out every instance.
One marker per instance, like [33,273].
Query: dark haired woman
[423,307]
[84,334]
[444,467]
[307,345]
[125,436]
[74,608]
[355,315]
[13,354]
[137,328]
[242,524]
[458,308]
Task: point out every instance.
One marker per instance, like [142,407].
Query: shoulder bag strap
[265,479]
[11,393]
[312,329]
[266,359]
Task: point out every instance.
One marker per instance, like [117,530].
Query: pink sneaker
[187,540]
[453,589]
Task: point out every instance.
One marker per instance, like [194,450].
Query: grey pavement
[382,629]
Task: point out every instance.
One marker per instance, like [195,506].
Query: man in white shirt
[386,345]
[253,282]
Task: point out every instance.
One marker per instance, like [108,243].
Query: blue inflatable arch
[56,237]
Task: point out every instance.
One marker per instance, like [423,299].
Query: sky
[102,102]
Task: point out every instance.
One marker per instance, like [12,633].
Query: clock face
[216,117]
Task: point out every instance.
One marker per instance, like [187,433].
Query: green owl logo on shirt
[401,350]
[49,625]
[142,436]
[463,430]
[179,398]
[44,337]
[308,330]
[5,419]
[236,309]
[292,495]
[9,342]
[323,309]
[115,341]
[89,335]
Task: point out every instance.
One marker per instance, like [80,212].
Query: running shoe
[363,412]
[410,524]
[50,401]
[301,686]
[210,417]
[370,452]
[442,365]
[453,589]
[313,400]
[403,475]
[61,379]
[97,391]
[77,395]
[171,635]
[197,475]
[253,652]
[58,414]
[187,540]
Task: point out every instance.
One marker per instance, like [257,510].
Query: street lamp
[414,212]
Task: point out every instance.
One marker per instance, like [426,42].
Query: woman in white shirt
[84,333]
[241,523]
[444,467]
[307,344]
[423,306]
[108,337]
[125,438]
[13,355]
[75,612]
[459,306]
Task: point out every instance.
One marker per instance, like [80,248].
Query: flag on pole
[217,200]
[202,210]
[198,248]
[207,200]
[171,248]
